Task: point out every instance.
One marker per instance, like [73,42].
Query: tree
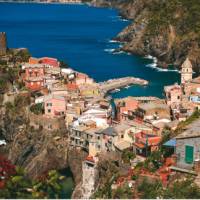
[15,184]
[37,108]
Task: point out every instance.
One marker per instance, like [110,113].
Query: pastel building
[124,107]
[83,79]
[173,94]
[55,106]
[89,90]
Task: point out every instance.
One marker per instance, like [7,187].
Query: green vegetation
[153,162]
[183,15]
[127,155]
[108,172]
[150,191]
[18,55]
[37,108]
[20,186]
[63,64]
[184,189]
[19,103]
[123,192]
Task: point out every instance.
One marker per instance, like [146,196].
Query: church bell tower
[186,71]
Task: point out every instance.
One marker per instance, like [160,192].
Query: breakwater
[117,83]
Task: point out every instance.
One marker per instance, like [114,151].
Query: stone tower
[3,43]
[186,71]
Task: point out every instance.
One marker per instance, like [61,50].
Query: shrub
[37,108]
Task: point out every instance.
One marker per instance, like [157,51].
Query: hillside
[166,29]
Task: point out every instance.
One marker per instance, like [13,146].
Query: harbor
[118,83]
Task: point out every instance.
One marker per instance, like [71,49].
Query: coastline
[40,2]
[119,50]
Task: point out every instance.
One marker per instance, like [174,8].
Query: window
[49,110]
[49,104]
[122,136]
[189,154]
[178,97]
[49,126]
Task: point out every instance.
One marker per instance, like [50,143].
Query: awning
[170,143]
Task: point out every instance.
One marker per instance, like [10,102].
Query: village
[71,101]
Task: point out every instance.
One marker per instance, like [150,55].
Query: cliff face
[167,29]
[37,151]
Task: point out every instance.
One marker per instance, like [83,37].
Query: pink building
[83,79]
[55,106]
[173,94]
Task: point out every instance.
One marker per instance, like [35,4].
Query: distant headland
[41,1]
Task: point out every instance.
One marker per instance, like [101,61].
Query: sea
[82,36]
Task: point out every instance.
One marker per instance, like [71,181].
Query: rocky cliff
[36,150]
[167,29]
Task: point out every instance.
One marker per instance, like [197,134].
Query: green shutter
[189,154]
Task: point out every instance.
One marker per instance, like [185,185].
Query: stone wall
[50,124]
[180,151]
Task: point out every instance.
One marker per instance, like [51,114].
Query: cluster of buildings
[96,125]
[184,99]
[92,123]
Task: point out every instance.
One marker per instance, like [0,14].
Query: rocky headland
[168,30]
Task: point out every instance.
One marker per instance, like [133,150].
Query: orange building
[125,107]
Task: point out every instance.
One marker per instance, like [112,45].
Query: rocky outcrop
[39,151]
[75,159]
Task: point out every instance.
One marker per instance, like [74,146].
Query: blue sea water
[81,36]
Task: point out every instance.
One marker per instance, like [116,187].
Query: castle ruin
[3,43]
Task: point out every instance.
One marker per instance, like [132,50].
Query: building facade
[186,71]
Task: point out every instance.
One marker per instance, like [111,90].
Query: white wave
[167,70]
[155,66]
[118,52]
[113,41]
[124,20]
[109,50]
[152,65]
[149,57]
